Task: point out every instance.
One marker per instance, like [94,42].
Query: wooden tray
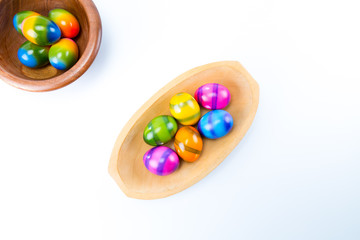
[126,164]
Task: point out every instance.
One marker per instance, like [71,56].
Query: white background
[295,175]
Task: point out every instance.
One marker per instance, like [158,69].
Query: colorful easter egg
[212,96]
[185,109]
[215,124]
[188,143]
[160,130]
[19,18]
[68,24]
[63,54]
[32,55]
[161,160]
[40,30]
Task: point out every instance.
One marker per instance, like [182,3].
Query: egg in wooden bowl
[47,78]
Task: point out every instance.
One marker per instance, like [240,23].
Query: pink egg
[212,96]
[161,160]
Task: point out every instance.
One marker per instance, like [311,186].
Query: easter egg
[161,160]
[32,55]
[19,18]
[160,130]
[63,54]
[40,30]
[212,96]
[68,24]
[215,124]
[185,109]
[188,143]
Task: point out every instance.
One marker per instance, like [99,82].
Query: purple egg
[161,160]
[212,96]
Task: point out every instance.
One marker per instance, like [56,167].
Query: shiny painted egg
[188,143]
[63,54]
[161,160]
[160,130]
[215,124]
[212,96]
[19,18]
[185,109]
[67,22]
[32,55]
[40,30]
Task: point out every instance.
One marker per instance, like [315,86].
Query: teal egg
[63,54]
[32,55]
[40,30]
[19,18]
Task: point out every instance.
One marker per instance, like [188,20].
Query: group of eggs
[44,34]
[188,143]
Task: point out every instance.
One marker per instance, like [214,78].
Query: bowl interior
[11,40]
[144,184]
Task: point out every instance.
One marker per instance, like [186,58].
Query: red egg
[67,22]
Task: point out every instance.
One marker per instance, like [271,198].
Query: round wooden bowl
[46,78]
[126,162]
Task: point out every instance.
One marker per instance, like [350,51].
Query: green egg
[32,55]
[160,130]
[19,18]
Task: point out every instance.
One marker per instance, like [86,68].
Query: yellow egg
[185,109]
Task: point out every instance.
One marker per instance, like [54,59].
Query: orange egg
[188,143]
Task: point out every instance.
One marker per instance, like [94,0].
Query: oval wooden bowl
[126,164]
[46,78]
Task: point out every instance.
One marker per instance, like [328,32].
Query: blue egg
[32,55]
[215,124]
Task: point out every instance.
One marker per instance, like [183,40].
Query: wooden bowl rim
[113,162]
[69,76]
